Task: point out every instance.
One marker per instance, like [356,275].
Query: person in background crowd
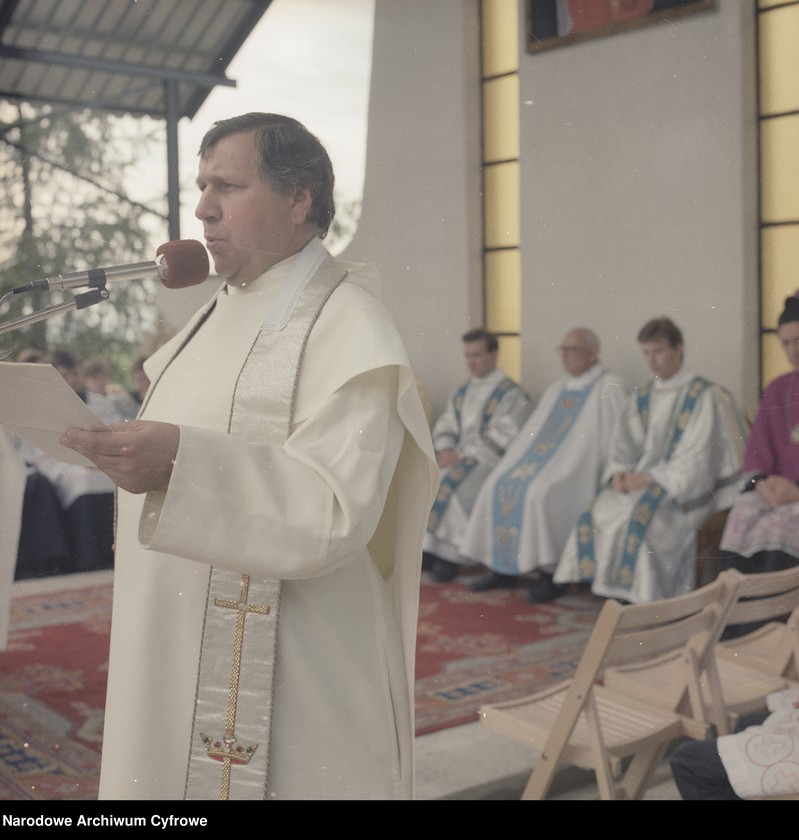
[67,363]
[13,477]
[68,509]
[482,416]
[108,401]
[139,379]
[32,355]
[762,529]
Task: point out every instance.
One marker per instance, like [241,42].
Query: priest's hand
[776,490]
[448,458]
[137,456]
[627,482]
[637,481]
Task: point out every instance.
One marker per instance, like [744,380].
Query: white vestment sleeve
[318,500]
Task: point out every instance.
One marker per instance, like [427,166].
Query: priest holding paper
[273,499]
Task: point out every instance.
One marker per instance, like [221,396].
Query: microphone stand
[78,302]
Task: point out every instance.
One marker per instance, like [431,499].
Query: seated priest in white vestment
[273,496]
[675,459]
[482,416]
[549,474]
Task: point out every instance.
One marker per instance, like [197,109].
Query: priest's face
[577,352]
[248,226]
[663,359]
[789,338]
[479,359]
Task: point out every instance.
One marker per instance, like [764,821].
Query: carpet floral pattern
[52,692]
[478,648]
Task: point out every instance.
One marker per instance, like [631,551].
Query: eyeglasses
[571,349]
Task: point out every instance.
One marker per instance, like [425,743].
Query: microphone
[178,264]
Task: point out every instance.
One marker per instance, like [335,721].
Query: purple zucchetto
[791,311]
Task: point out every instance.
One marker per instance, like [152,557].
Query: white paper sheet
[37,404]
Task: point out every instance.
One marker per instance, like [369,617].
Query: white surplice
[465,428]
[554,485]
[764,760]
[699,477]
[336,513]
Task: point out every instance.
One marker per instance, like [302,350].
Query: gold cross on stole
[226,750]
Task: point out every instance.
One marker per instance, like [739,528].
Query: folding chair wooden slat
[773,648]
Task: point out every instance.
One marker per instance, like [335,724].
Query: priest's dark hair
[791,311]
[289,156]
[662,327]
[481,334]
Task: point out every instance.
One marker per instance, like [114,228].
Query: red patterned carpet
[52,693]
[478,648]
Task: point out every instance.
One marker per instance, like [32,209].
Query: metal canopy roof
[157,58]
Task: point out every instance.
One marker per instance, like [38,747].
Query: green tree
[345,223]
[63,207]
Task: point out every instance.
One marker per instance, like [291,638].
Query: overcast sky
[309,59]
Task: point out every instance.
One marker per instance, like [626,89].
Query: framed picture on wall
[554,23]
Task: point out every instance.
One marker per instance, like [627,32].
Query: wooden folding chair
[765,659]
[586,724]
[745,669]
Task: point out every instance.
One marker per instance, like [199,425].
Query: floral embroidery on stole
[511,488]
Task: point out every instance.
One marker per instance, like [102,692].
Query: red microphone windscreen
[186,263]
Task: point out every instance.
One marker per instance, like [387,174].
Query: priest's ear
[301,201]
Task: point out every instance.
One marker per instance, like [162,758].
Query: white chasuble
[687,434]
[551,471]
[265,604]
[480,420]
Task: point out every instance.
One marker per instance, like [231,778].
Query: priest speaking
[273,496]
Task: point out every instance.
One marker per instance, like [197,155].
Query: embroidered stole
[455,476]
[233,706]
[623,573]
[511,487]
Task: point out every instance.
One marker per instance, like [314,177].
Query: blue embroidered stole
[457,474]
[624,573]
[511,487]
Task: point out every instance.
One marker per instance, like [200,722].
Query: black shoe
[543,590]
[493,580]
[444,570]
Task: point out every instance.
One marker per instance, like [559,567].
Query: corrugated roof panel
[116,53]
